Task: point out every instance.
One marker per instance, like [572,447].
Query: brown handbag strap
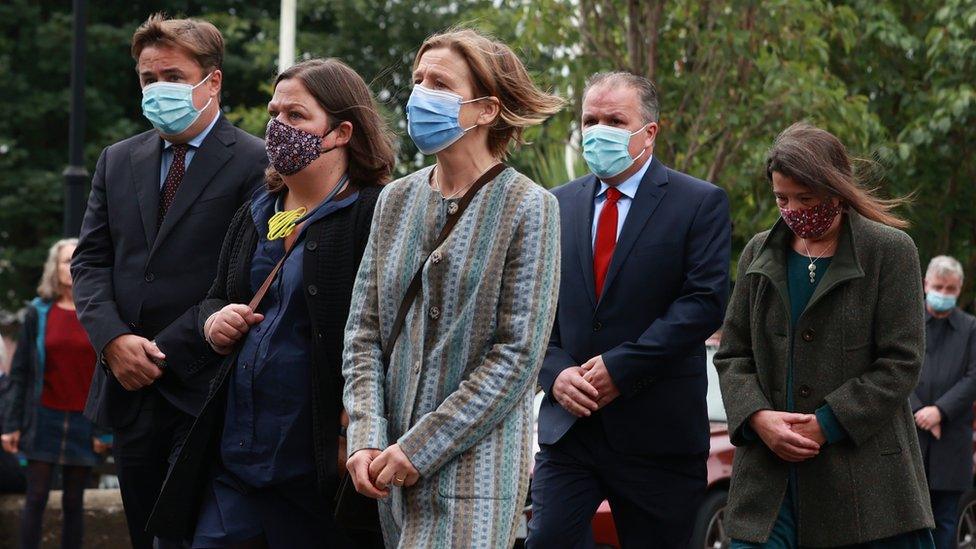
[259,295]
[415,284]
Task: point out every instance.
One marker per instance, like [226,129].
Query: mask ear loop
[473,101]
[200,83]
[326,134]
[644,150]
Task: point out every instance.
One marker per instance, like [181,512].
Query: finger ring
[398,480]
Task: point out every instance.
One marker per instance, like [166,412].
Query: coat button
[312,290]
[434,313]
[311,245]
[416,367]
[150,277]
[804,391]
[452,208]
[597,326]
[436,257]
[808,335]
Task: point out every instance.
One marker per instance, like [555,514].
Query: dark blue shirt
[267,436]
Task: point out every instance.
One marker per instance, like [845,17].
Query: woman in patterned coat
[442,436]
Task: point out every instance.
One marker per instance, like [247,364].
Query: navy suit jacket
[665,292]
[130,277]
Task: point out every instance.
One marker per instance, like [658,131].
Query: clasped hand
[793,437]
[374,471]
[133,361]
[227,326]
[582,390]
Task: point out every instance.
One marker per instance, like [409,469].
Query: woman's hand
[393,467]
[227,326]
[928,417]
[779,431]
[11,441]
[358,466]
[100,447]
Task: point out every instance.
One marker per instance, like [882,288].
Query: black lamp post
[75,175]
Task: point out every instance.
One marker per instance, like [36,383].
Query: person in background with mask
[821,348]
[260,467]
[50,374]
[645,263]
[441,417]
[160,204]
[943,400]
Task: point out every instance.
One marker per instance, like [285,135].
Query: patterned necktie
[173,179]
[606,239]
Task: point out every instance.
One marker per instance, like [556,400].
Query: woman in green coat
[822,345]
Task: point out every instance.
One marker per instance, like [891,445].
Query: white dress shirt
[628,190]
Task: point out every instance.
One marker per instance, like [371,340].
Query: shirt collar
[629,186]
[952,320]
[198,140]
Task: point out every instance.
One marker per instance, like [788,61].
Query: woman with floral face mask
[822,345]
[273,423]
[453,308]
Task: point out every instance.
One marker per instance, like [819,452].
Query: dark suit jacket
[665,293]
[948,380]
[130,279]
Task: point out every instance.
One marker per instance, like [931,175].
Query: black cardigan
[334,247]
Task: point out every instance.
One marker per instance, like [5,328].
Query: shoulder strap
[259,295]
[415,284]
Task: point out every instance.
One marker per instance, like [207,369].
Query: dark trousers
[945,508]
[142,451]
[654,499]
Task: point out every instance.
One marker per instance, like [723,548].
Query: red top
[70,362]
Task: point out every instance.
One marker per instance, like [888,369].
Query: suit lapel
[213,153]
[583,219]
[649,195]
[145,159]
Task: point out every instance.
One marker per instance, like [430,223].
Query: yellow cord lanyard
[282,224]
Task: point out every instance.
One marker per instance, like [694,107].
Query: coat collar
[771,259]
[954,318]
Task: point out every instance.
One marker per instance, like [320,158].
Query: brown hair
[343,94]
[498,72]
[200,39]
[816,159]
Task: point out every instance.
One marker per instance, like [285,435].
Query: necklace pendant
[812,268]
[813,277]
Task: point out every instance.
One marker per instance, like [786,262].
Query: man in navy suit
[645,279]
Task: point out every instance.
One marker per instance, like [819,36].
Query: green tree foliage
[892,78]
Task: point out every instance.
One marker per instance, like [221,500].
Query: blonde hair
[498,72]
[49,288]
[200,39]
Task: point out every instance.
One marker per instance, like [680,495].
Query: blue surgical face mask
[940,302]
[607,150]
[432,119]
[169,106]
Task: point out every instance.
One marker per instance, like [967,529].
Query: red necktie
[606,239]
[173,179]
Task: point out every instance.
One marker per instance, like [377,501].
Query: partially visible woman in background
[50,374]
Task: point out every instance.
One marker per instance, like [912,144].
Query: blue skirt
[62,438]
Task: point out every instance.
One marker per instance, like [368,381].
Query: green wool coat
[858,346]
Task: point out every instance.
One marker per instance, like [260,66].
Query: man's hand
[393,467]
[227,326]
[11,441]
[358,466]
[100,447]
[937,431]
[595,372]
[574,393]
[928,417]
[131,359]
[778,430]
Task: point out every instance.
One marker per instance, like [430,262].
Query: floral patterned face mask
[811,222]
[291,150]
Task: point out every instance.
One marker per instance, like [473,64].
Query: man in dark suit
[645,277]
[943,399]
[159,206]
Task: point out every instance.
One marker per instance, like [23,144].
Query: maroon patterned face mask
[291,150]
[811,222]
